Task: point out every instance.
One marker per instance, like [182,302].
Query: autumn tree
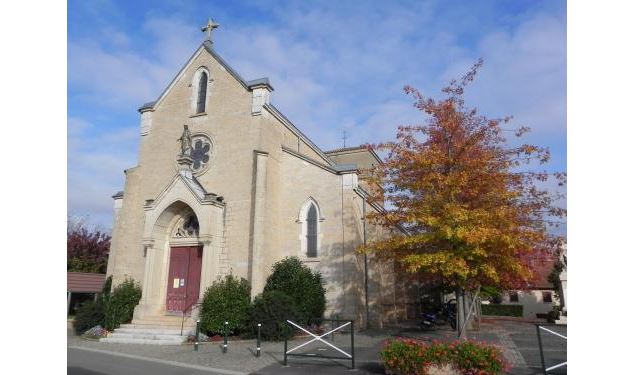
[475,211]
[87,249]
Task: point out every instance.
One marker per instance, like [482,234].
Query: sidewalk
[517,340]
[240,355]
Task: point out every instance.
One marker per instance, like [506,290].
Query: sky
[335,66]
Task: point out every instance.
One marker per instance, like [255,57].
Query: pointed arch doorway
[186,260]
[184,278]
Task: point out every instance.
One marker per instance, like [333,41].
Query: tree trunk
[460,313]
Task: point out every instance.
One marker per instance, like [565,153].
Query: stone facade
[250,200]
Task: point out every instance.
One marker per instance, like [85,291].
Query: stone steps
[142,341]
[144,336]
[151,325]
[160,330]
[149,331]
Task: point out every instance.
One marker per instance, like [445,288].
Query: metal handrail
[195,303]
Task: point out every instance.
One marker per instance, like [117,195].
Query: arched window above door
[200,85]
[202,93]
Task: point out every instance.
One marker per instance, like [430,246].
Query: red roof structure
[81,282]
[543,270]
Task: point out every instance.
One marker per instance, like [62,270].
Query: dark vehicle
[446,314]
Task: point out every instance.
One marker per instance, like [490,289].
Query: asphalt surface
[91,362]
[517,339]
[554,347]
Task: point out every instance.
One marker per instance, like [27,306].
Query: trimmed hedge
[272,309]
[121,303]
[305,287]
[227,300]
[502,310]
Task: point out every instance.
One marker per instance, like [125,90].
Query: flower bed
[409,357]
[95,333]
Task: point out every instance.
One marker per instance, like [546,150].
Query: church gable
[185,88]
[221,78]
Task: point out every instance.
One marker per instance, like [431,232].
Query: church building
[225,183]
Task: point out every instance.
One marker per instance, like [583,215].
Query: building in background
[81,287]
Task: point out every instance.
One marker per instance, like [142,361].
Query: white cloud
[334,66]
[96,161]
[524,75]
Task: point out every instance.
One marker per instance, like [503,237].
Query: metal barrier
[225,335]
[351,356]
[542,356]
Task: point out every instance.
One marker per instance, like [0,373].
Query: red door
[184,277]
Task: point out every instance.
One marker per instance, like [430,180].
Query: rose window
[200,153]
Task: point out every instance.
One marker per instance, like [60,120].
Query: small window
[202,93]
[546,297]
[311,232]
[513,296]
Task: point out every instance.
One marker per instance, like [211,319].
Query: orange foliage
[455,185]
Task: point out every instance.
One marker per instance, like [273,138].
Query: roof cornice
[282,118]
[208,47]
[335,169]
[348,150]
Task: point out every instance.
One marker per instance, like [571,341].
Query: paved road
[554,348]
[92,362]
[518,340]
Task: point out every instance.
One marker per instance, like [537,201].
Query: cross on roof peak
[211,25]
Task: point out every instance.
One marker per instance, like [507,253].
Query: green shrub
[502,310]
[105,290]
[408,356]
[121,304]
[227,300]
[272,309]
[553,315]
[89,314]
[305,288]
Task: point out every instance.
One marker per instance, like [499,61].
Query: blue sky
[335,65]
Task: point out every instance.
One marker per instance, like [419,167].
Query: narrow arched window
[202,93]
[311,232]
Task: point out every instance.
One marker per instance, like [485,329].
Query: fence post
[353,344]
[333,326]
[258,342]
[542,357]
[225,339]
[198,327]
[285,350]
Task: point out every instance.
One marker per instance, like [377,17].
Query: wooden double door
[184,277]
